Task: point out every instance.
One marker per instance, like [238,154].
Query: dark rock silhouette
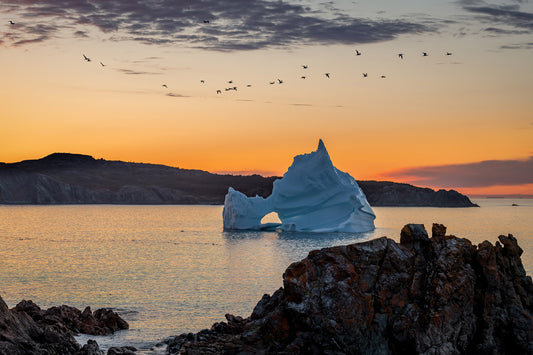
[63,178]
[422,296]
[27,329]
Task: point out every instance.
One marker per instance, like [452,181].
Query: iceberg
[312,196]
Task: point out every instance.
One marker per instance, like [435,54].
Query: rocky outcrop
[439,295]
[28,330]
[103,321]
[62,178]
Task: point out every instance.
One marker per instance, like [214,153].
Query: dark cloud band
[479,174]
[208,24]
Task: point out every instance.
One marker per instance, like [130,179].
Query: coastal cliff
[63,178]
[439,295]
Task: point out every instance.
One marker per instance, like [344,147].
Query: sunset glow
[436,111]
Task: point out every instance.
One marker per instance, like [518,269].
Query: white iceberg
[312,196]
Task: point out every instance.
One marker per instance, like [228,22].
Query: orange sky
[472,106]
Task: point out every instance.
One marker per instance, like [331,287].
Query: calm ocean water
[171,269]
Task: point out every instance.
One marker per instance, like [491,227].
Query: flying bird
[327,75]
[206,21]
[11,22]
[424,54]
[448,53]
[357,52]
[249,86]
[365,75]
[400,55]
[230,82]
[102,64]
[383,77]
[272,82]
[303,77]
[219,92]
[202,81]
[165,86]
[280,81]
[86,58]
[305,66]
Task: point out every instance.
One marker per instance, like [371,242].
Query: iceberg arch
[312,196]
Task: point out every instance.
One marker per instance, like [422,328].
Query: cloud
[477,174]
[136,72]
[509,15]
[171,94]
[214,25]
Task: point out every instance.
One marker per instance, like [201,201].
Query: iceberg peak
[321,145]
[312,196]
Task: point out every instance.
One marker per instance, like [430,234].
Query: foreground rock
[423,296]
[28,330]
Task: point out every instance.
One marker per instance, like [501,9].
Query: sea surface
[172,269]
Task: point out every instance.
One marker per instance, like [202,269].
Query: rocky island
[439,295]
[64,178]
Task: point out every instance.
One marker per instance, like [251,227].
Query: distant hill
[64,178]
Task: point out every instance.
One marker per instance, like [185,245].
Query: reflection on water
[171,269]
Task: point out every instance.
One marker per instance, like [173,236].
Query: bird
[86,58]
[165,86]
[219,92]
[305,66]
[357,52]
[102,64]
[383,77]
[249,85]
[448,53]
[202,81]
[272,82]
[280,81]
[424,54]
[327,75]
[365,75]
[11,22]
[234,88]
[303,77]
[206,21]
[400,55]
[230,82]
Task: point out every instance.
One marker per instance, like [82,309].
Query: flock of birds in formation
[279,81]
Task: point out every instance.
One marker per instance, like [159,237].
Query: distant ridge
[65,178]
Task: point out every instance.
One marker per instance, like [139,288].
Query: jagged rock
[91,348]
[27,329]
[21,335]
[438,295]
[70,319]
[125,350]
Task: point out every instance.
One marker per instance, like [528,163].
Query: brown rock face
[439,295]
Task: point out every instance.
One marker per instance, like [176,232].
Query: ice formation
[312,196]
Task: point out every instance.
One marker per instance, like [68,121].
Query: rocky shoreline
[438,295]
[26,329]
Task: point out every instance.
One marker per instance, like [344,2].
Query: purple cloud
[478,174]
[208,24]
